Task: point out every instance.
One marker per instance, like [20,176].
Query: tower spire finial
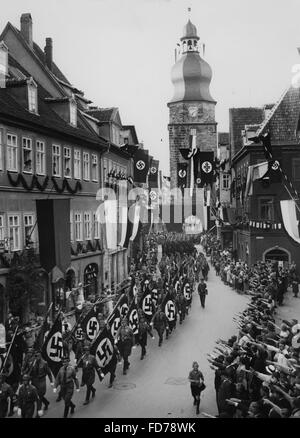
[189,12]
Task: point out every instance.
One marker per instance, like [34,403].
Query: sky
[120,53]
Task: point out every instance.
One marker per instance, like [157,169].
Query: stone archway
[277,254]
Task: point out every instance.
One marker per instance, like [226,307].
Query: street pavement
[157,387]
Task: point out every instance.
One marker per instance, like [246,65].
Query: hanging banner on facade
[290,220]
[141,166]
[182,173]
[205,167]
[153,173]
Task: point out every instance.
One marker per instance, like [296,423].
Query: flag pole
[9,348]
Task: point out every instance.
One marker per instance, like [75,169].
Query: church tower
[192,108]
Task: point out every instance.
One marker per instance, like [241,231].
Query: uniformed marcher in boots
[66,378]
[28,361]
[126,341]
[113,366]
[181,304]
[160,323]
[27,399]
[38,373]
[202,291]
[6,395]
[89,366]
[144,330]
[197,384]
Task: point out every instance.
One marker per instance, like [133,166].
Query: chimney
[26,28]
[49,53]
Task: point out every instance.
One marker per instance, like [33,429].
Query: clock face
[193,110]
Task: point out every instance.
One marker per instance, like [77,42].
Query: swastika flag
[90,324]
[104,351]
[52,350]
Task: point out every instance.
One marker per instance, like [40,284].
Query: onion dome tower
[192,108]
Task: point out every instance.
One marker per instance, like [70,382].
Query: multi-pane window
[78,226]
[2,229]
[28,228]
[67,162]
[12,152]
[87,226]
[73,113]
[105,170]
[266,209]
[56,160]
[86,166]
[94,167]
[27,155]
[226,181]
[96,225]
[40,158]
[77,164]
[1,146]
[32,98]
[14,232]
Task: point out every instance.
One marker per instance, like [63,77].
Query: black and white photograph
[149,212]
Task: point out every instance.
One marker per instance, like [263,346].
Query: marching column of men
[160,293]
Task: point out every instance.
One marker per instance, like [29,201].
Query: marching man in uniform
[202,291]
[89,365]
[38,373]
[66,378]
[27,398]
[125,343]
[160,323]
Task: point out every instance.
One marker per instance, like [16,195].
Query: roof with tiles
[102,114]
[283,120]
[46,117]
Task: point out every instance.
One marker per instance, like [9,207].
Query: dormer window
[73,113]
[32,96]
[3,63]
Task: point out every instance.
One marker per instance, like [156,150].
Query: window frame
[73,113]
[32,98]
[95,167]
[80,238]
[10,147]
[27,139]
[42,154]
[260,205]
[79,160]
[88,162]
[225,176]
[96,228]
[87,236]
[58,175]
[32,215]
[67,148]
[14,215]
